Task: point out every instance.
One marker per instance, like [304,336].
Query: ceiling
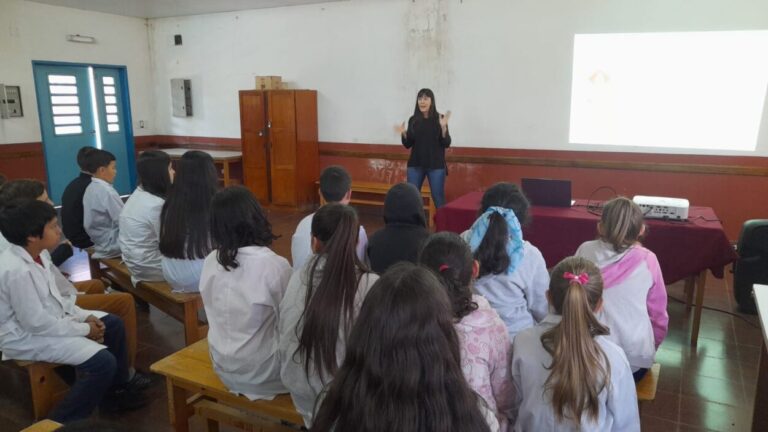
[173,8]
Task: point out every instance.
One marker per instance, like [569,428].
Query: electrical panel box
[181,97]
[10,102]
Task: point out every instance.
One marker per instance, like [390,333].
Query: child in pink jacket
[485,345]
[635,297]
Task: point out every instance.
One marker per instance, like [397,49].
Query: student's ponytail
[579,369]
[492,251]
[330,302]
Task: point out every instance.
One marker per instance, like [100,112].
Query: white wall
[32,31]
[503,67]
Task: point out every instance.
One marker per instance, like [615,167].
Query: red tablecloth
[683,248]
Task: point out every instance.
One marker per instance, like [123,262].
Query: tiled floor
[711,387]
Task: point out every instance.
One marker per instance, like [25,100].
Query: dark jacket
[425,139]
[404,232]
[72,211]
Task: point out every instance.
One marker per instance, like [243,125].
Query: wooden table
[190,376]
[760,416]
[43,426]
[223,157]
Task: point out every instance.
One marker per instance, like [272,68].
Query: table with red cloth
[685,249]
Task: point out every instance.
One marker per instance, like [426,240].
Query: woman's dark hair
[492,252]
[83,155]
[417,115]
[152,168]
[329,303]
[20,189]
[449,256]
[25,218]
[186,214]
[237,220]
[402,369]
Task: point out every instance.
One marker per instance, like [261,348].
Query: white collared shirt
[242,309]
[101,213]
[139,237]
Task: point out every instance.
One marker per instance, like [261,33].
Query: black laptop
[548,192]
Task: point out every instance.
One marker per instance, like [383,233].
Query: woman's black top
[425,139]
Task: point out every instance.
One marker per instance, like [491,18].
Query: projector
[662,207]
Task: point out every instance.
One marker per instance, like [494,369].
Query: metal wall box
[181,97]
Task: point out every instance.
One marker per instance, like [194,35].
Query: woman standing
[427,136]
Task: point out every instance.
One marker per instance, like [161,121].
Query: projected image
[693,90]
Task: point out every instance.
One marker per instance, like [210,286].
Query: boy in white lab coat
[38,324]
[102,206]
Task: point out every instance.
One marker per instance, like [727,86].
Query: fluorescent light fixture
[81,39]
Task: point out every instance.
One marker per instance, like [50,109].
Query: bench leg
[179,408]
[191,331]
[95,267]
[212,425]
[47,388]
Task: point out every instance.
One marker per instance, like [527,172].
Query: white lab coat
[37,323]
[304,388]
[533,406]
[242,309]
[101,213]
[140,236]
[301,243]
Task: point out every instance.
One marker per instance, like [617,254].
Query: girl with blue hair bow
[513,275]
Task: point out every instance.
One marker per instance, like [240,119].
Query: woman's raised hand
[400,129]
[444,119]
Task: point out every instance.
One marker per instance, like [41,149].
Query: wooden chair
[193,386]
[43,426]
[181,306]
[646,388]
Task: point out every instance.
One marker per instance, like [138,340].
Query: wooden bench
[43,426]
[46,386]
[646,388]
[193,386]
[182,306]
[362,191]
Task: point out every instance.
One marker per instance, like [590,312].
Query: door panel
[254,138]
[81,106]
[282,133]
[66,121]
[111,110]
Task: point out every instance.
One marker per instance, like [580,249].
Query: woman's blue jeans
[436,182]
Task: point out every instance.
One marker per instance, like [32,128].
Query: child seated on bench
[335,187]
[72,200]
[102,206]
[139,236]
[242,284]
[38,324]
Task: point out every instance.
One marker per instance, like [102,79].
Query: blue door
[113,132]
[73,109]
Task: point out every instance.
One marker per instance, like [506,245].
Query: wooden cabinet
[279,136]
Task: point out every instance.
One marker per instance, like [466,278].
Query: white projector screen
[687,90]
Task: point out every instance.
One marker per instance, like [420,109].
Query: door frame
[126,109]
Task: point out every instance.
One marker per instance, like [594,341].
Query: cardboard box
[269,83]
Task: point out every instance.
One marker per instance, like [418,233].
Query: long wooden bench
[373,193]
[193,386]
[182,306]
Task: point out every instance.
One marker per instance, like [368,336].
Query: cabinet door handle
[269,124]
